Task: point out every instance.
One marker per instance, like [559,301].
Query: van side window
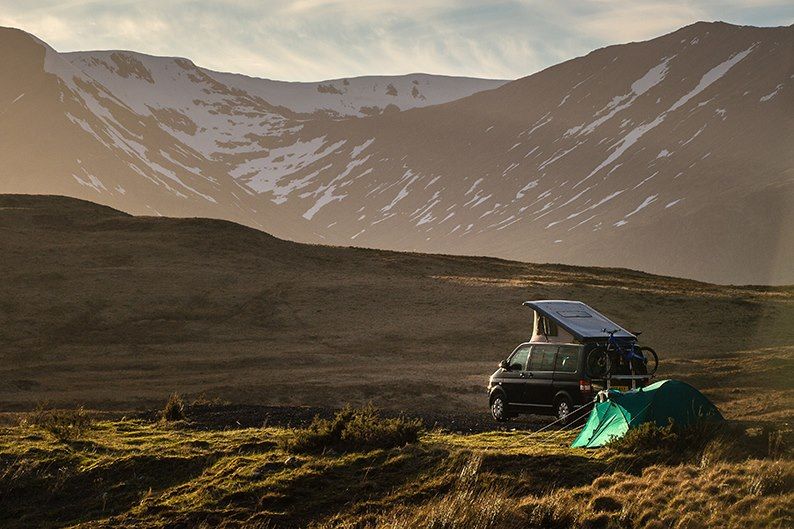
[542,358]
[567,359]
[518,361]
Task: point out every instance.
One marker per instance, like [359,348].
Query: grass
[470,504]
[354,429]
[134,473]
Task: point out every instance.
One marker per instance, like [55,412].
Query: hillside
[113,311]
[677,148]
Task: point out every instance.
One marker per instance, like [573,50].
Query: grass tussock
[751,494]
[465,508]
[174,409]
[63,424]
[354,430]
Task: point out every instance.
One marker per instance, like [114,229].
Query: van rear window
[567,358]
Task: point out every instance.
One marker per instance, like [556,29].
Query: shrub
[354,430]
[645,438]
[705,443]
[63,424]
[675,444]
[174,409]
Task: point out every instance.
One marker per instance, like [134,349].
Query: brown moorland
[107,310]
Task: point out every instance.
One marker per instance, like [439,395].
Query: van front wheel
[499,408]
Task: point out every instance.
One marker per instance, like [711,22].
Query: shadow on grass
[57,492]
[535,474]
[358,486]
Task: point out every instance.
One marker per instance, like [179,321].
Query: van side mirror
[504,364]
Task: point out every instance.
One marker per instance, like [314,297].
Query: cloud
[631,21]
[321,39]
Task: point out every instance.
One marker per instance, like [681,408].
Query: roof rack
[633,378]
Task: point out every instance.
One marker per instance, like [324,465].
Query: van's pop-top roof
[579,319]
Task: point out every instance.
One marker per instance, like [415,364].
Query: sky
[309,40]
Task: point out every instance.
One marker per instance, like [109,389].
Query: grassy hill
[108,310]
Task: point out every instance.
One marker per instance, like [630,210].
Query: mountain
[671,155]
[106,309]
[163,136]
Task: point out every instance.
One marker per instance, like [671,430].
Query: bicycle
[638,359]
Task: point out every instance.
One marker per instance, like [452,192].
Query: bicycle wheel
[598,364]
[650,360]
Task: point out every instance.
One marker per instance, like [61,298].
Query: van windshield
[518,362]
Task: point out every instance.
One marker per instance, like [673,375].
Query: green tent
[659,403]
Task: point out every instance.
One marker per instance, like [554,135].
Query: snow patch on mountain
[772,94]
[635,134]
[263,174]
[652,77]
[645,203]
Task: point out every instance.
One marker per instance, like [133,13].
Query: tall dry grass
[715,477]
[748,495]
[470,505]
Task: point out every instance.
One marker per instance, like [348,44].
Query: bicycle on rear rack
[602,360]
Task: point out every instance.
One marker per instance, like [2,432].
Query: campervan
[550,374]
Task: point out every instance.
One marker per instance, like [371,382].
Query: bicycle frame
[600,359]
[628,354]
